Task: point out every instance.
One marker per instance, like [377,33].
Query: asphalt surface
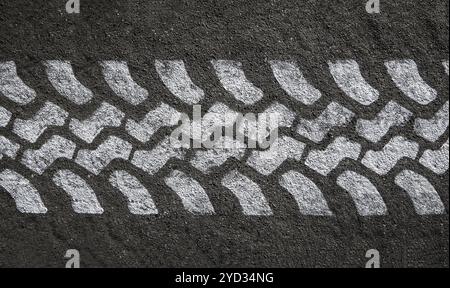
[309,32]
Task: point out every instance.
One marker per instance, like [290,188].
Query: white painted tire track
[206,160]
[381,162]
[391,115]
[61,76]
[118,77]
[12,87]
[432,129]
[83,197]
[5,116]
[105,116]
[56,147]
[96,160]
[405,75]
[210,122]
[25,196]
[233,79]
[163,115]
[266,162]
[327,160]
[308,196]
[348,77]
[335,115]
[285,118]
[49,115]
[139,200]
[252,200]
[367,199]
[437,161]
[151,161]
[173,74]
[425,199]
[8,148]
[192,195]
[293,82]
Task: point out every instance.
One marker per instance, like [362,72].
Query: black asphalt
[253,31]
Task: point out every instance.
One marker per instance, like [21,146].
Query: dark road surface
[312,33]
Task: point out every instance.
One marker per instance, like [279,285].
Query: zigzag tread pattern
[300,148]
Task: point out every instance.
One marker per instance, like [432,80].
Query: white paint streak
[347,75]
[12,87]
[432,129]
[214,118]
[153,160]
[25,196]
[233,79]
[118,77]
[285,118]
[381,162]
[192,195]
[164,115]
[83,198]
[96,160]
[391,115]
[406,77]
[249,194]
[436,160]
[139,200]
[105,116]
[368,200]
[56,147]
[425,199]
[308,196]
[267,161]
[205,160]
[335,115]
[61,76]
[174,75]
[32,129]
[327,160]
[5,116]
[218,115]
[445,64]
[293,82]
[8,148]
